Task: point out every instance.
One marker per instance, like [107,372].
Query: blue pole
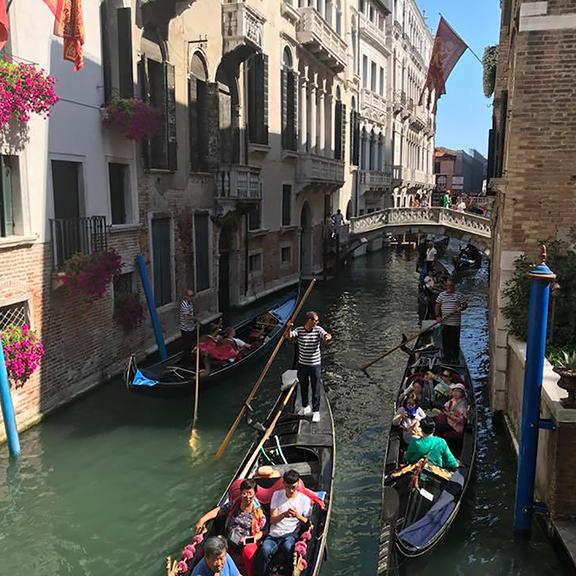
[8,408]
[152,307]
[540,278]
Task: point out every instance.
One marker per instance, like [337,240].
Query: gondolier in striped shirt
[187,325]
[309,338]
[449,304]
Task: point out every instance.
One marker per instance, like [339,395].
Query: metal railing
[83,235]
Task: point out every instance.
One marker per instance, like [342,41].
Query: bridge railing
[397,217]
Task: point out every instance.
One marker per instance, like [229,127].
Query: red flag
[69,25]
[3,24]
[448,47]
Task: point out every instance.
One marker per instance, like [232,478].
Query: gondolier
[187,325]
[309,337]
[449,304]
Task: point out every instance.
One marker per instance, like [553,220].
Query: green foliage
[562,327]
[563,359]
[489,62]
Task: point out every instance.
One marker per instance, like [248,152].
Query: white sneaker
[316,417]
[305,411]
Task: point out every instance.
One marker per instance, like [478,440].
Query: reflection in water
[109,485]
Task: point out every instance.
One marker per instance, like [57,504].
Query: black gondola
[420,503]
[294,443]
[173,377]
[468,258]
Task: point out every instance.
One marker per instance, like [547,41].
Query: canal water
[110,484]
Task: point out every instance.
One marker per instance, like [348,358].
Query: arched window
[339,126]
[380,152]
[289,82]
[363,146]
[338,17]
[197,113]
[372,159]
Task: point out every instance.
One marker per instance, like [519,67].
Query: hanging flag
[3,24]
[448,47]
[69,25]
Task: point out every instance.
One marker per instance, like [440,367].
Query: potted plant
[133,118]
[90,274]
[129,311]
[489,62]
[564,363]
[25,89]
[22,352]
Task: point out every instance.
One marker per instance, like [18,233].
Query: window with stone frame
[286,204]
[198,95]
[255,217]
[289,80]
[10,197]
[255,263]
[257,67]
[354,135]
[286,255]
[120,193]
[339,127]
[15,314]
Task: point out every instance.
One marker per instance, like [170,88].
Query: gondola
[421,502]
[173,377]
[468,258]
[291,442]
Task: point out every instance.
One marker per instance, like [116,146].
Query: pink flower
[182,567]
[198,538]
[306,536]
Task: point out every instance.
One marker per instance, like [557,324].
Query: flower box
[132,117]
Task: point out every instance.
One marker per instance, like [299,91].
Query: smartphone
[249,540]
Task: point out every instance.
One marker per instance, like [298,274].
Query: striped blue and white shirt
[449,303]
[309,344]
[186,309]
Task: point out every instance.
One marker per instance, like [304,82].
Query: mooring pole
[152,308]
[540,278]
[8,408]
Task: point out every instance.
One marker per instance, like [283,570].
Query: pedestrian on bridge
[449,306]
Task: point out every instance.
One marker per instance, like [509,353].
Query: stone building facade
[532,153]
[459,172]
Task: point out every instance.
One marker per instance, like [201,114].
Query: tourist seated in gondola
[421,389]
[408,417]
[243,526]
[431,447]
[238,343]
[450,423]
[216,559]
[442,384]
[289,511]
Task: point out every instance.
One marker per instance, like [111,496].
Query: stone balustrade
[320,169]
[373,105]
[242,25]
[239,183]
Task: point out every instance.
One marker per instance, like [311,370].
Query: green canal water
[109,485]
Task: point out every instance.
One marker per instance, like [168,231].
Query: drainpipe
[540,277]
[8,408]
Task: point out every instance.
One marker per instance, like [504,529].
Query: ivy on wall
[489,63]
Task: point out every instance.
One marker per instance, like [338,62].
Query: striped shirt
[450,302]
[187,309]
[309,344]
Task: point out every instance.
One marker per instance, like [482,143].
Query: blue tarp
[141,380]
[284,311]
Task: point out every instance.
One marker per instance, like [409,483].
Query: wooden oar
[413,337]
[267,433]
[232,430]
[194,433]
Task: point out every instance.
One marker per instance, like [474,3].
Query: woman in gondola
[450,423]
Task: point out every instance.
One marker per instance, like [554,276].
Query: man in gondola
[187,325]
[449,306]
[309,337]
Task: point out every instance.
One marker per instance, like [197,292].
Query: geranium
[90,274]
[24,89]
[133,118]
[128,311]
[22,352]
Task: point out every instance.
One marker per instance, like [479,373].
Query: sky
[464,113]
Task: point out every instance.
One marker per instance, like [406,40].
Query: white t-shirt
[241,344]
[288,525]
[431,254]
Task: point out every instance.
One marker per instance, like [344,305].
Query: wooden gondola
[174,377]
[290,442]
[420,504]
[468,258]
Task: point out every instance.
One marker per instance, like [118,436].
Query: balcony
[316,170]
[399,101]
[372,32]
[375,180]
[373,106]
[237,185]
[418,120]
[398,174]
[242,28]
[83,235]
[319,37]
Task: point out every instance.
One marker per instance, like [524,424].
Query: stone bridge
[438,221]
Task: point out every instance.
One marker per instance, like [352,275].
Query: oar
[267,433]
[405,341]
[226,440]
[194,433]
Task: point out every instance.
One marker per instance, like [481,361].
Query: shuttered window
[354,138]
[339,130]
[202,251]
[125,74]
[289,109]
[197,115]
[258,99]
[286,204]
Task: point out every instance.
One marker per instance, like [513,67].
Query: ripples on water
[109,485]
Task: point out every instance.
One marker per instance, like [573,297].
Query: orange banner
[3,24]
[69,25]
[447,50]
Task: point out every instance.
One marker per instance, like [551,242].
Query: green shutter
[264,133]
[145,95]
[171,117]
[284,92]
[124,18]
[106,64]
[342,131]
[7,216]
